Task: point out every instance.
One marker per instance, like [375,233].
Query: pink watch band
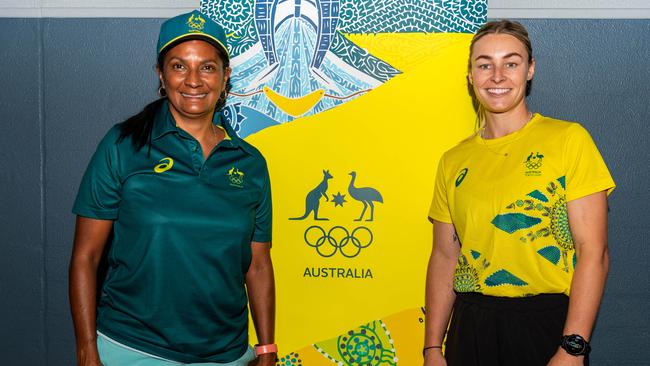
[261,349]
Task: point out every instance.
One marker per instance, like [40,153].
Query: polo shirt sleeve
[99,194]
[264,212]
[586,172]
[439,210]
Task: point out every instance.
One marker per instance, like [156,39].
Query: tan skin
[499,69]
[194,77]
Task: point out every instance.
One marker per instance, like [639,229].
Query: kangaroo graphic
[313,198]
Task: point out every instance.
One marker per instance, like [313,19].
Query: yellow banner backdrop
[352,103]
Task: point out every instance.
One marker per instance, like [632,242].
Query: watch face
[575,345]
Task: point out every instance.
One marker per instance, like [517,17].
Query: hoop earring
[162,92]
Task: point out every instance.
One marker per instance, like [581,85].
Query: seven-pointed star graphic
[338,199]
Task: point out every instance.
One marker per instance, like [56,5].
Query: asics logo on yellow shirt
[461,176]
[165,165]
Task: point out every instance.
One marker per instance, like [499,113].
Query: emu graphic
[313,198]
[365,195]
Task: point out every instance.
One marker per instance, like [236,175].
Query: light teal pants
[115,354]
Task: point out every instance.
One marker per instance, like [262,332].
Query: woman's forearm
[82,292]
[586,292]
[260,285]
[89,242]
[588,223]
[439,299]
[440,293]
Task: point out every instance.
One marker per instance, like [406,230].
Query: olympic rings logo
[338,239]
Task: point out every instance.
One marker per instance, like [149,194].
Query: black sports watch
[575,345]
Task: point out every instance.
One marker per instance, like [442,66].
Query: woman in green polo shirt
[186,205]
[520,225]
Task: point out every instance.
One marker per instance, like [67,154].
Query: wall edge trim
[493,12]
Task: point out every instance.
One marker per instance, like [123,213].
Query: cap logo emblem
[196,23]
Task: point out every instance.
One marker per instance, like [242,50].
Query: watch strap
[261,349]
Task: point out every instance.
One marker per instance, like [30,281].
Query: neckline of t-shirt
[510,137]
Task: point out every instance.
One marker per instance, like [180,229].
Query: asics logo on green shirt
[165,165]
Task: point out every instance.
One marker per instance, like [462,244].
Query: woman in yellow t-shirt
[520,225]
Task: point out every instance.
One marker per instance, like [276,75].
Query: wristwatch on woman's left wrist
[575,345]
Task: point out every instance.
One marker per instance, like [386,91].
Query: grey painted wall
[22,244]
[593,71]
[66,81]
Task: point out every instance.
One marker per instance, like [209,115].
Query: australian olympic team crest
[236,177]
[196,23]
[328,236]
[533,164]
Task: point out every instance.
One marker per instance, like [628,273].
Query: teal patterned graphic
[503,277]
[543,213]
[368,345]
[292,359]
[466,277]
[407,16]
[536,194]
[288,50]
[560,224]
[475,254]
[575,260]
[551,253]
[512,222]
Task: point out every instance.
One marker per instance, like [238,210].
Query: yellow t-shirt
[507,200]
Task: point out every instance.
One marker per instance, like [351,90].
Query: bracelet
[424,350]
[261,349]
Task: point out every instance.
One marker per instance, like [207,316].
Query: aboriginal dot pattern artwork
[466,277]
[370,345]
[292,359]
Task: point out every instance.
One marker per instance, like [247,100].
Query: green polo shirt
[181,247]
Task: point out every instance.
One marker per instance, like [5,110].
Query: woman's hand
[561,358]
[434,357]
[87,355]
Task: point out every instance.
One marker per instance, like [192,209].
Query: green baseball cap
[191,26]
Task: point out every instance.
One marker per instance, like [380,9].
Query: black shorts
[501,331]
